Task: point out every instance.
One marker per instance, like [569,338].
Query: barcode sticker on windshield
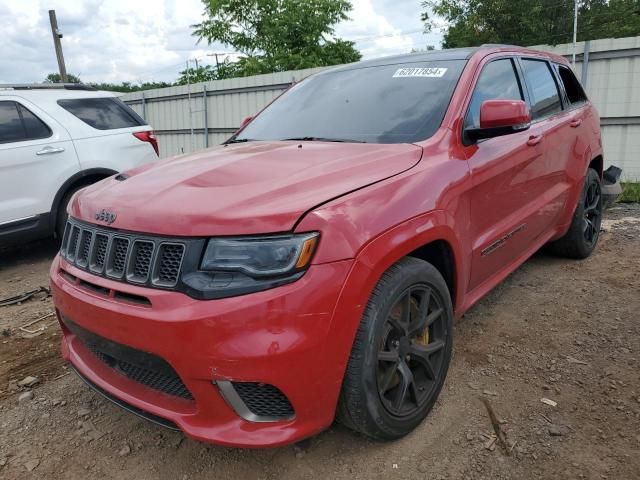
[425,72]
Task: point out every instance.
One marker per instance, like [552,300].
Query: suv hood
[258,187]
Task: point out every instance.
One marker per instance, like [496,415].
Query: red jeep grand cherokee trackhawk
[313,265]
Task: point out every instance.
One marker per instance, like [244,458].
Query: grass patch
[630,192]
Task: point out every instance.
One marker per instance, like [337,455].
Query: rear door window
[106,113]
[575,93]
[545,98]
[498,80]
[18,124]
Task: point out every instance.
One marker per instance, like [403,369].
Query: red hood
[259,187]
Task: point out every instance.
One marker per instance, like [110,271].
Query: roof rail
[46,86]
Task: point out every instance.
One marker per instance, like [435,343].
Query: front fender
[369,265]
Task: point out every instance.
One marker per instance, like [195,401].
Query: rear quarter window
[105,113]
[575,93]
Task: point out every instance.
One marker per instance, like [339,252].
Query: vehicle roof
[448,54]
[36,94]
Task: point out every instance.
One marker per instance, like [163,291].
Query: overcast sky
[145,40]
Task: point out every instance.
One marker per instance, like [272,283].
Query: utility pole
[575,32]
[56,42]
[217,61]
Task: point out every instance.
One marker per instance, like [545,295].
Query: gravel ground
[566,331]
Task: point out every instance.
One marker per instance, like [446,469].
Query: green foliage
[205,73]
[202,73]
[630,192]
[124,87]
[474,22]
[55,78]
[127,87]
[278,35]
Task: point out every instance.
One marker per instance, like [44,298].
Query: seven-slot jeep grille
[128,257]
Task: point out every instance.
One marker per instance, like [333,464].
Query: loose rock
[32,464]
[26,396]
[556,431]
[28,381]
[124,451]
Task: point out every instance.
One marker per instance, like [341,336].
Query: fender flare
[72,180]
[374,258]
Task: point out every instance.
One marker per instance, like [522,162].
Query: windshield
[397,103]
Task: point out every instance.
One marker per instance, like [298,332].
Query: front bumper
[281,337]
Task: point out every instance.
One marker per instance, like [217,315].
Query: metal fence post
[206,119]
[585,64]
[144,107]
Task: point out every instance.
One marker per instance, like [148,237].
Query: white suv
[54,140]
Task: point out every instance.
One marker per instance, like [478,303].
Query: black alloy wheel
[582,237]
[410,357]
[401,352]
[592,212]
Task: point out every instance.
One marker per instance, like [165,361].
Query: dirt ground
[563,330]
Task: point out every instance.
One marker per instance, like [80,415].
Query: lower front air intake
[257,402]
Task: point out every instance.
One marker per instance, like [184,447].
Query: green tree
[127,87]
[474,22]
[278,35]
[124,87]
[202,73]
[55,78]
[205,73]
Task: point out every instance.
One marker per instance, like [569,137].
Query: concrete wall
[609,69]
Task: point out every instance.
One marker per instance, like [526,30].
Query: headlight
[260,256]
[241,265]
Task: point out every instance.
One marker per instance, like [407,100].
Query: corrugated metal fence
[190,118]
[610,71]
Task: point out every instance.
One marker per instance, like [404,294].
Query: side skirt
[26,229]
[481,290]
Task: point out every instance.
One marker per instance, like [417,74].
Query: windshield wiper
[322,139]
[239,140]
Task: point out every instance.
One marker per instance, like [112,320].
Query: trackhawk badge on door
[106,216]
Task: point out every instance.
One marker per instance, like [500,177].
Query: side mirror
[246,121]
[500,117]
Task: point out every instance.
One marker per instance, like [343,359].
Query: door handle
[576,123]
[534,140]
[49,151]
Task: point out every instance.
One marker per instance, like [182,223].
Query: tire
[61,216]
[366,405]
[581,239]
